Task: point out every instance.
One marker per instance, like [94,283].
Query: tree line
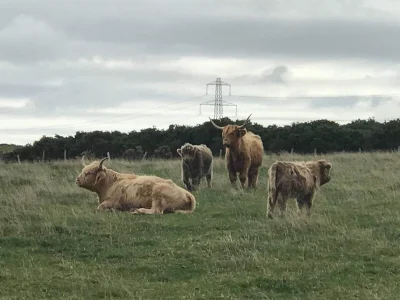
[323,135]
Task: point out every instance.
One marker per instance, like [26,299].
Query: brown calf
[197,162]
[299,180]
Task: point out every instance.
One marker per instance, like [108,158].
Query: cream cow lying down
[131,192]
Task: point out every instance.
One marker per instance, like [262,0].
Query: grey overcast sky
[127,64]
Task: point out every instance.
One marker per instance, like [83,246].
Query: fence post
[108,155]
[292,151]
[43,155]
[359,150]
[144,156]
[220,153]
[18,159]
[315,151]
[65,154]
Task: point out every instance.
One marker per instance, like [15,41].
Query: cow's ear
[324,164]
[241,132]
[100,176]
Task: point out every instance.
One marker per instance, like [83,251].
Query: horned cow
[131,192]
[299,180]
[244,153]
[197,162]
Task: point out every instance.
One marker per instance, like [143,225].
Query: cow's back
[255,147]
[293,179]
[207,158]
[136,191]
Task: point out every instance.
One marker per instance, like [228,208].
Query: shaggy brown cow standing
[244,153]
[299,180]
[131,192]
[197,162]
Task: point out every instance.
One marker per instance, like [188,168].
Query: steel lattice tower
[218,102]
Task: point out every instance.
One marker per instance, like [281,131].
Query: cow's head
[324,168]
[187,152]
[231,133]
[91,175]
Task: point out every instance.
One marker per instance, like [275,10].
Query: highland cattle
[244,153]
[196,163]
[131,192]
[300,180]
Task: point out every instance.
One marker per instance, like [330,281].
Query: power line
[318,97]
[138,117]
[175,123]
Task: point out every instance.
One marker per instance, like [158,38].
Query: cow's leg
[147,211]
[281,200]
[252,177]
[188,184]
[233,178]
[209,178]
[106,205]
[196,182]
[156,208]
[300,204]
[231,171]
[243,176]
[308,201]
[270,206]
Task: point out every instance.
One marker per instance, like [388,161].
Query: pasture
[54,245]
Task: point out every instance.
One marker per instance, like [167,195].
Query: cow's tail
[190,205]
[272,190]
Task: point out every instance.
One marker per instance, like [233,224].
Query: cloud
[101,64]
[278,75]
[27,39]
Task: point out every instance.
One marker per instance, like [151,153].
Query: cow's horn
[83,161]
[101,163]
[215,125]
[241,126]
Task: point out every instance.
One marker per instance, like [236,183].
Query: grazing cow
[131,192]
[197,162]
[299,180]
[244,153]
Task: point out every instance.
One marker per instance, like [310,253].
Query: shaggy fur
[131,192]
[244,153]
[197,162]
[299,180]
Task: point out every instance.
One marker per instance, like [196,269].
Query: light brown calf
[299,180]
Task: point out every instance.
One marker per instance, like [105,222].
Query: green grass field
[54,245]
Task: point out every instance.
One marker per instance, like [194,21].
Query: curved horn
[83,161]
[215,125]
[241,126]
[101,163]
